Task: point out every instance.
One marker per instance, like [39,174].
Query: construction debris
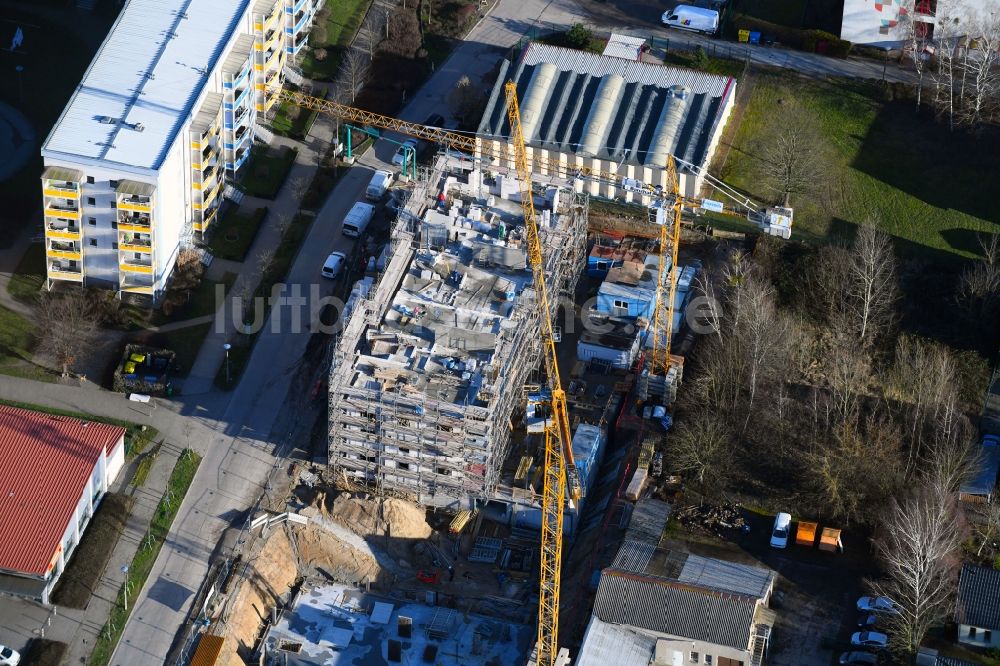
[718,520]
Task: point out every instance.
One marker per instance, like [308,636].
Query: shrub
[318,34]
[404,33]
[578,37]
[319,55]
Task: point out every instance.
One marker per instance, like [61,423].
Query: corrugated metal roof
[45,462]
[649,519]
[675,608]
[633,556]
[728,576]
[135,187]
[62,173]
[647,102]
[605,644]
[150,70]
[978,597]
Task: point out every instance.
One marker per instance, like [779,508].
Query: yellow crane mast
[663,314]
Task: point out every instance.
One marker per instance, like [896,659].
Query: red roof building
[54,470]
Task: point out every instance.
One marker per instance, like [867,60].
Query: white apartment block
[162,120]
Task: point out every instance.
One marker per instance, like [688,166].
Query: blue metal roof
[985,480]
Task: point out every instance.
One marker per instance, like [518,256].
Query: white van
[696,19]
[380,182]
[358,218]
[782,526]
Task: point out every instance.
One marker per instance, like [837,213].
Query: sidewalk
[145,501]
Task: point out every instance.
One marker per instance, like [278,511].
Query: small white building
[54,471]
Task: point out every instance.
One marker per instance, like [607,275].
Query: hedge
[804,40]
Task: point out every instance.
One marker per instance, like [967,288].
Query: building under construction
[432,363]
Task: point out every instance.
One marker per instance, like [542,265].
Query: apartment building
[163,118]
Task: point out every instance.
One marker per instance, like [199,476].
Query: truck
[695,19]
[358,218]
[377,186]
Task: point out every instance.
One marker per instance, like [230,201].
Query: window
[694,658]
[402,465]
[708,659]
[137,255]
[92,221]
[987,635]
[972,632]
[441,470]
[93,242]
[114,246]
[90,180]
[91,201]
[114,224]
[602,265]
[621,304]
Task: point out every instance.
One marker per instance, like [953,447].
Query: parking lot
[815,592]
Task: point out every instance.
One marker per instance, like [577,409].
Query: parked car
[867,621]
[870,639]
[334,264]
[877,605]
[779,534]
[857,659]
[407,150]
[9,656]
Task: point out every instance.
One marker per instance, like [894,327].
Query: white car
[9,656]
[334,264]
[779,534]
[869,639]
[877,605]
[408,151]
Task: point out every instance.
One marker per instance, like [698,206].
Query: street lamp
[227,347]
[124,570]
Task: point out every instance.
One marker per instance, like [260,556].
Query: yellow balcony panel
[196,166]
[258,26]
[196,186]
[138,228]
[125,247]
[196,205]
[64,234]
[72,276]
[62,254]
[199,226]
[137,289]
[61,193]
[211,195]
[139,208]
[258,68]
[135,268]
[58,212]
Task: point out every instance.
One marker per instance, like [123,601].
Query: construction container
[806,534]
[636,485]
[829,540]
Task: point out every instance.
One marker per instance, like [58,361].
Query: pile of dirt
[324,552]
[268,579]
[393,518]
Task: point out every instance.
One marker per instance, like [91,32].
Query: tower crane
[560,475]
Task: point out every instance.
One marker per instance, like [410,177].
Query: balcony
[132,242]
[134,223]
[136,264]
[65,269]
[61,188]
[137,283]
[59,207]
[62,249]
[65,229]
[240,131]
[135,203]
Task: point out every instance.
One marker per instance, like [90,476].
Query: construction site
[499,389]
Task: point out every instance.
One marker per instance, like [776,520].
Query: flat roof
[45,462]
[148,73]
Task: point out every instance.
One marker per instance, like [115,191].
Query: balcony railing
[134,221]
[134,240]
[240,131]
[62,226]
[69,208]
[69,268]
[135,200]
[138,264]
[63,246]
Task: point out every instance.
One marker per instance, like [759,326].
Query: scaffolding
[399,426]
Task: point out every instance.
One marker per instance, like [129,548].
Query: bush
[318,34]
[319,55]
[578,37]
[805,40]
[404,33]
[835,46]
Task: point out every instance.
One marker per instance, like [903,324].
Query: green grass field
[921,183]
[29,276]
[341,25]
[267,171]
[235,233]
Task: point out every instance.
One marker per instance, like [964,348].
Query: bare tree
[264,259]
[788,160]
[980,69]
[947,39]
[67,325]
[920,537]
[985,520]
[354,73]
[466,100]
[917,42]
[979,287]
[872,286]
[702,447]
[371,31]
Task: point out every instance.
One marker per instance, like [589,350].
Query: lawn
[29,276]
[235,234]
[292,121]
[920,183]
[267,170]
[333,34]
[40,93]
[149,548]
[91,555]
[185,343]
[702,60]
[17,342]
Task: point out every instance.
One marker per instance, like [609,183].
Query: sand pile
[396,518]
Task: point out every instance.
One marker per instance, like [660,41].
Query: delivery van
[358,218]
[380,182]
[696,19]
